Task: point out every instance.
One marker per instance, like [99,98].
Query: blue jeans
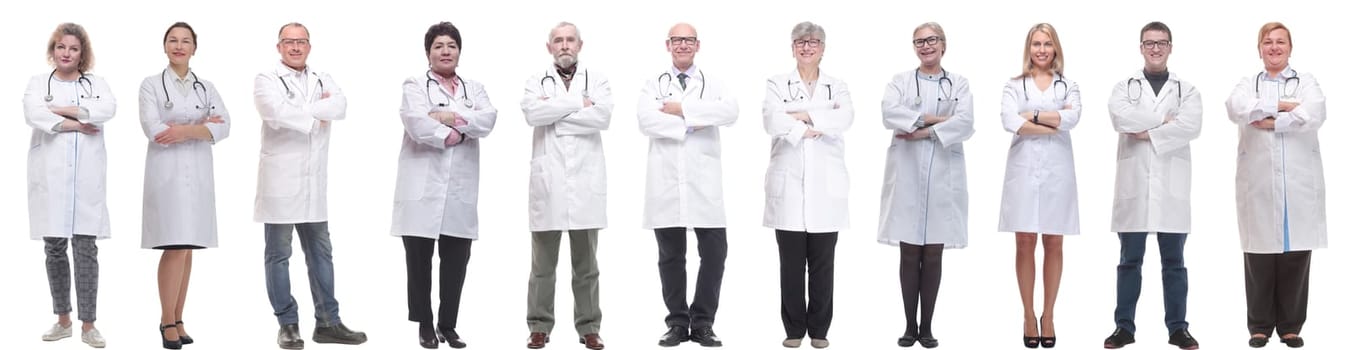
[318,256]
[1175,279]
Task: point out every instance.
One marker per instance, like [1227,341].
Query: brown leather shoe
[593,341]
[536,340]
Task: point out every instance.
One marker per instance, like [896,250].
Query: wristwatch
[1035,117]
[920,123]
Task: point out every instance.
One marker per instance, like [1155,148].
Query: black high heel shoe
[426,335]
[1046,342]
[1031,342]
[169,344]
[452,338]
[184,338]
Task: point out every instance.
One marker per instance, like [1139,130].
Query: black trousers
[799,254]
[454,253]
[1276,292]
[673,245]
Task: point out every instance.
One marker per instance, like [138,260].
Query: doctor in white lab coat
[297,106]
[1039,194]
[806,185]
[183,117]
[1156,115]
[568,105]
[436,198]
[681,109]
[67,174]
[924,200]
[1281,188]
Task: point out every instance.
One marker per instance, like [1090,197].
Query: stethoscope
[291,94]
[203,96]
[1139,82]
[666,79]
[462,86]
[944,91]
[792,96]
[1293,81]
[585,92]
[88,90]
[1057,81]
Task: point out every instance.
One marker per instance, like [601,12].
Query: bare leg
[170,281]
[1053,274]
[182,291]
[1025,280]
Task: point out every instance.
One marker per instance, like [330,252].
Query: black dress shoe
[426,336]
[338,334]
[674,336]
[1182,339]
[1294,342]
[451,338]
[1119,339]
[907,340]
[927,341]
[288,337]
[705,337]
[169,344]
[1257,342]
[184,338]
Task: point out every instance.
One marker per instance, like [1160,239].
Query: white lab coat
[293,162]
[1279,172]
[179,202]
[1039,192]
[67,171]
[806,184]
[567,187]
[1152,177]
[683,165]
[437,190]
[924,199]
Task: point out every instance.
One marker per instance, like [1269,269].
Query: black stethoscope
[791,94]
[1293,81]
[1057,81]
[585,92]
[203,96]
[88,91]
[462,87]
[291,94]
[1139,82]
[669,79]
[944,91]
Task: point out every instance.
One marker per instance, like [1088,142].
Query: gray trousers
[86,275]
[585,280]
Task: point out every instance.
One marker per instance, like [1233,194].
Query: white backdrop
[369,50]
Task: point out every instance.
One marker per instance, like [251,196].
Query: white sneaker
[56,333]
[93,338]
[791,343]
[819,343]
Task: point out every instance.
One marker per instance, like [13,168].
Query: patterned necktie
[682,84]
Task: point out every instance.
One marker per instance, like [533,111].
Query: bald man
[681,111]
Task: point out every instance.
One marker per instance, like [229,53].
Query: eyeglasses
[1160,44]
[928,41]
[292,42]
[804,43]
[683,40]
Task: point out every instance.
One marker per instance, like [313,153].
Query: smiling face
[1156,49]
[1275,48]
[1042,51]
[179,46]
[66,53]
[293,44]
[564,44]
[682,44]
[809,50]
[443,55]
[929,46]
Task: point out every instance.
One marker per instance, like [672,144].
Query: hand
[72,125]
[454,138]
[930,120]
[1027,115]
[1287,106]
[802,116]
[673,108]
[325,95]
[215,119]
[836,106]
[323,123]
[1266,124]
[1169,119]
[812,134]
[174,134]
[67,111]
[587,102]
[1141,135]
[921,133]
[1067,106]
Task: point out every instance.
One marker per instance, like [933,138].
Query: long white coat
[1039,192]
[683,165]
[1152,177]
[567,187]
[179,203]
[67,171]
[806,184]
[437,191]
[1281,186]
[293,162]
[924,199]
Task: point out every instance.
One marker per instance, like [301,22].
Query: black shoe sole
[321,339]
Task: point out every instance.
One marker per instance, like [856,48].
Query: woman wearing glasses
[1281,187]
[924,203]
[1039,193]
[183,117]
[806,113]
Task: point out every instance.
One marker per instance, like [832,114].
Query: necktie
[682,78]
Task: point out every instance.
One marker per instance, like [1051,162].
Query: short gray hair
[561,25]
[805,29]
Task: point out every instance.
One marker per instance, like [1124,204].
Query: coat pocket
[411,179]
[1179,178]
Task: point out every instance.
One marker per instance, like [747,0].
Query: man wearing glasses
[680,110]
[297,105]
[1157,116]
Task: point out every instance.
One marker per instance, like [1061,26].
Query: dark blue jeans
[1175,278]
